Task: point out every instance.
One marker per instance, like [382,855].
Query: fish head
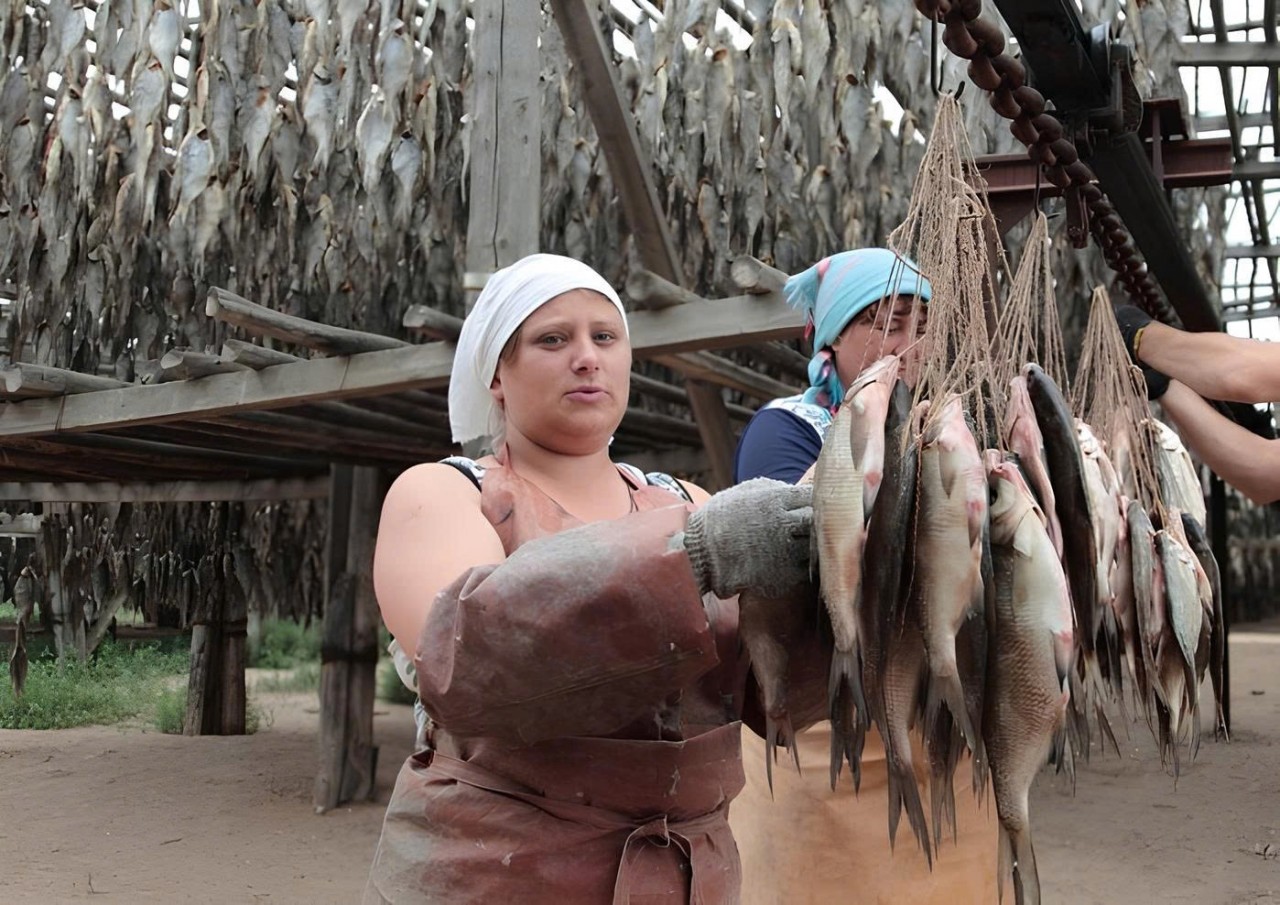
[1089,443]
[883,371]
[1010,497]
[942,423]
[1022,431]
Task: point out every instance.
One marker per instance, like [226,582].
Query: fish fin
[1005,861]
[770,755]
[1104,726]
[848,714]
[904,793]
[1026,878]
[948,690]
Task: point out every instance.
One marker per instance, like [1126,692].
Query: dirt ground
[130,815]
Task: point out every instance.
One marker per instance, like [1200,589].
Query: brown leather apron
[585,819]
[808,844]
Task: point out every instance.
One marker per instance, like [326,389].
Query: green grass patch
[390,688]
[115,685]
[300,679]
[171,712]
[285,644]
[8,612]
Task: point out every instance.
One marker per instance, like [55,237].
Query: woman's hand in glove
[755,536]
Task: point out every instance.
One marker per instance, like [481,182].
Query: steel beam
[1257,169]
[1012,184]
[1072,68]
[1056,46]
[1231,53]
[1253,251]
[1126,176]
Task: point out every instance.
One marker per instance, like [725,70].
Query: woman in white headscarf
[573,626]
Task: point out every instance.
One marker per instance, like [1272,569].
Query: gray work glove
[753,536]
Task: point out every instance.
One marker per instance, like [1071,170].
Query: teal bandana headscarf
[837,289]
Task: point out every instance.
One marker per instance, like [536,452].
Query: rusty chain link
[982,43]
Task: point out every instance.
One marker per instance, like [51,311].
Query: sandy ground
[130,815]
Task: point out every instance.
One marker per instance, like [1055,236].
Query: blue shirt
[781,441]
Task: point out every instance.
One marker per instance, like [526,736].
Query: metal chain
[982,43]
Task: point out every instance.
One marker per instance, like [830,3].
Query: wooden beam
[755,277]
[653,293]
[682,462]
[230,308]
[784,358]
[616,128]
[25,524]
[252,355]
[268,490]
[314,380]
[43,380]
[633,178]
[720,372]
[720,323]
[188,364]
[432,323]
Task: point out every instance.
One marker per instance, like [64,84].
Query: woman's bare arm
[1215,365]
[1247,462]
[432,530]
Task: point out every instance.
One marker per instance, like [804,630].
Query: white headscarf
[509,296]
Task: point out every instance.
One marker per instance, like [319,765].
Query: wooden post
[633,178]
[1219,541]
[348,678]
[68,624]
[235,602]
[505,181]
[215,687]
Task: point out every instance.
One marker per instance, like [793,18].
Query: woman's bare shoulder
[432,482]
[696,494]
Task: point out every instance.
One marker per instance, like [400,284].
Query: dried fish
[1026,716]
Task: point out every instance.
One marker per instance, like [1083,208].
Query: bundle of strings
[948,230]
[1109,394]
[1029,326]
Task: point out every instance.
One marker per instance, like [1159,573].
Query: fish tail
[770,740]
[1104,726]
[1026,883]
[843,742]
[942,799]
[904,793]
[848,715]
[948,690]
[1005,865]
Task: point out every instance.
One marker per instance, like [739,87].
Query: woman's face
[886,328]
[564,382]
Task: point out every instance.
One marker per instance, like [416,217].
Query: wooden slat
[653,293]
[756,277]
[230,308]
[148,457]
[42,380]
[188,364]
[393,370]
[719,372]
[721,323]
[433,323]
[316,488]
[252,355]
